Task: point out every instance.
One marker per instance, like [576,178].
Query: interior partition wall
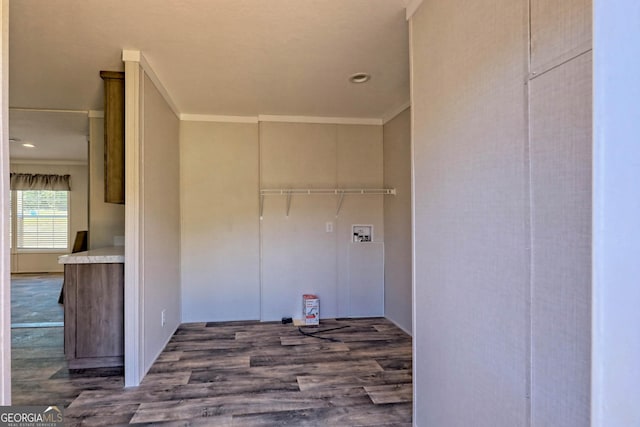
[502,192]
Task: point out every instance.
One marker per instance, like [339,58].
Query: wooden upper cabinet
[113,136]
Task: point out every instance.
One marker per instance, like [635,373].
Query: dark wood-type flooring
[38,366]
[34,300]
[232,373]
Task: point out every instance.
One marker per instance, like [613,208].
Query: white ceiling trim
[130,55]
[96,114]
[216,118]
[137,56]
[282,119]
[320,120]
[48,162]
[412,7]
[48,110]
[395,112]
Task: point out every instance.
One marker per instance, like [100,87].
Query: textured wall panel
[160,156]
[560,30]
[220,225]
[359,164]
[397,220]
[297,155]
[561,229]
[366,279]
[471,198]
[298,255]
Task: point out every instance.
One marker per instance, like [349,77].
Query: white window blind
[42,219]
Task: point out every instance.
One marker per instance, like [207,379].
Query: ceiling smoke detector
[359,78]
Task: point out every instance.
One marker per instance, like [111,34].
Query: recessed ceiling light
[359,78]
[29,145]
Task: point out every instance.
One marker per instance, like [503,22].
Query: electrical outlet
[329,227]
[163,317]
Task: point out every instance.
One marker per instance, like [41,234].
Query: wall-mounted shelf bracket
[288,203]
[261,205]
[339,204]
[341,192]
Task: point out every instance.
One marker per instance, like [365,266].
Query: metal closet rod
[337,191]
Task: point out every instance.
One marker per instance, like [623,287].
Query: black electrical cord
[314,334]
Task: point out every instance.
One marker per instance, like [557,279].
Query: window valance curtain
[28,181]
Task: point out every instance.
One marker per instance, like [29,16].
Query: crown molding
[48,110]
[412,7]
[320,120]
[280,119]
[137,56]
[217,118]
[392,114]
[48,162]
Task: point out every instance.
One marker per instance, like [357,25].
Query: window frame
[14,227]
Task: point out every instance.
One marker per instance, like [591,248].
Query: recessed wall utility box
[362,233]
[310,309]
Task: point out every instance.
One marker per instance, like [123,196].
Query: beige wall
[32,262]
[559,32]
[360,284]
[160,219]
[471,235]
[225,244]
[397,220]
[502,212]
[106,220]
[561,156]
[298,254]
[220,224]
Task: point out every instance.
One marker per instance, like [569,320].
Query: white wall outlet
[163,317]
[329,227]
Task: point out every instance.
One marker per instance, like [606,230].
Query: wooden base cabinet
[94,315]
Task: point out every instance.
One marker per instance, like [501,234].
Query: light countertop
[108,255]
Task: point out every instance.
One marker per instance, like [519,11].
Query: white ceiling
[219,57]
[59,136]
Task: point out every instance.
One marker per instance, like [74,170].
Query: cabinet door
[113,136]
[100,310]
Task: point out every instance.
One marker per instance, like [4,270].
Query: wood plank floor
[34,300]
[258,374]
[39,372]
[38,366]
[232,373]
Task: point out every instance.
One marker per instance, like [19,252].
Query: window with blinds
[42,219]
